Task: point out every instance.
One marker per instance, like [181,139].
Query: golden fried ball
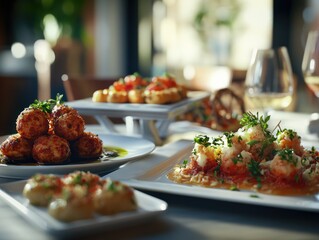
[88,145]
[17,147]
[100,95]
[60,109]
[51,149]
[69,126]
[32,123]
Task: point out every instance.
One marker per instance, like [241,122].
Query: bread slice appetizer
[114,197]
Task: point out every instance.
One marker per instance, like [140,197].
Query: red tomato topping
[119,85]
[156,86]
[168,81]
[134,81]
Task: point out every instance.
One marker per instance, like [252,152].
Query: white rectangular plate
[148,207]
[150,174]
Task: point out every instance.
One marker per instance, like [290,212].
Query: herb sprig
[202,140]
[250,120]
[48,105]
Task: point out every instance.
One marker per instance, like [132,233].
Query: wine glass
[269,81]
[310,62]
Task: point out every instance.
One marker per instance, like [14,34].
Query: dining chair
[80,87]
[77,87]
[16,93]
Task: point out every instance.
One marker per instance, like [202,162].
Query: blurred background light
[18,50]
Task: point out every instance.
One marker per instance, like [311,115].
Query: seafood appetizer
[79,195]
[252,158]
[135,89]
[221,111]
[50,132]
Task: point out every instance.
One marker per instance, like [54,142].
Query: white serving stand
[151,121]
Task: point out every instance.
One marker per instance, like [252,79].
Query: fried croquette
[88,145]
[60,109]
[32,123]
[16,147]
[51,149]
[69,126]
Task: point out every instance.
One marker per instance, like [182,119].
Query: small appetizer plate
[134,146]
[148,208]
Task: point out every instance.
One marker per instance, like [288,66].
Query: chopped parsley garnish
[229,136]
[111,186]
[238,158]
[217,170]
[253,196]
[234,188]
[252,142]
[288,155]
[217,141]
[202,140]
[194,151]
[185,163]
[255,171]
[77,179]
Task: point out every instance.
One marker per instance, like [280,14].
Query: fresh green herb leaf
[185,163]
[238,158]
[252,142]
[111,186]
[202,140]
[288,155]
[255,171]
[233,188]
[48,105]
[253,196]
[229,137]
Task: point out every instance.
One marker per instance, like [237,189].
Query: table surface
[190,218]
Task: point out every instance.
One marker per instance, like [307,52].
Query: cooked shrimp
[285,164]
[204,158]
[311,173]
[257,143]
[234,162]
[289,139]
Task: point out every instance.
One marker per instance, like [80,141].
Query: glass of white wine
[269,80]
[310,62]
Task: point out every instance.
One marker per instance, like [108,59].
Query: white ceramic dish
[150,174]
[143,111]
[148,207]
[136,147]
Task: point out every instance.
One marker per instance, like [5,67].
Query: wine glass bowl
[310,62]
[269,80]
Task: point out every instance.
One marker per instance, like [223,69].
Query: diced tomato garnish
[119,85]
[134,81]
[155,86]
[168,81]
